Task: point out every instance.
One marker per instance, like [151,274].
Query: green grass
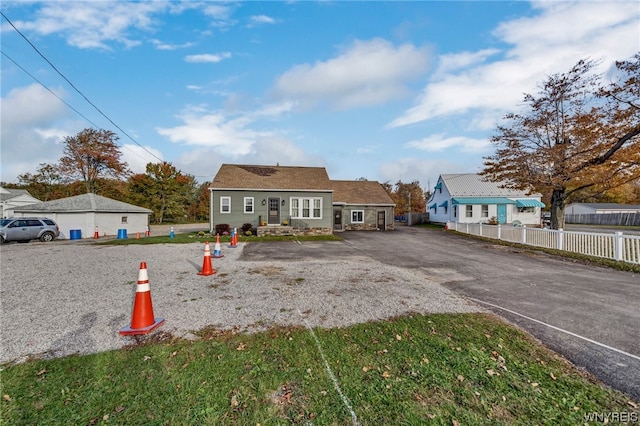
[416,369]
[203,236]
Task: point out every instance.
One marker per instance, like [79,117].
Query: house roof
[360,192]
[7,193]
[610,206]
[237,176]
[83,203]
[472,185]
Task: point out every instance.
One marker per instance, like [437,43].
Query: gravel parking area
[73,297]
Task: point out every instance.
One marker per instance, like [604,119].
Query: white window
[357,216]
[225,204]
[306,208]
[484,212]
[469,211]
[248,204]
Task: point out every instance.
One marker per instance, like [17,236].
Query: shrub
[247,227]
[222,229]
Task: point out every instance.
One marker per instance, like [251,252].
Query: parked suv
[25,229]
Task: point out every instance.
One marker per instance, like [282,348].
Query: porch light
[283,202]
[264,202]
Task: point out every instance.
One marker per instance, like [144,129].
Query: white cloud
[138,157]
[440,142]
[550,42]
[30,131]
[261,19]
[93,24]
[213,129]
[426,171]
[366,73]
[166,46]
[207,57]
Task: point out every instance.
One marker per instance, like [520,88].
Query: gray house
[87,211]
[361,205]
[294,200]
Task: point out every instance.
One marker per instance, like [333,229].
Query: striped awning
[529,203]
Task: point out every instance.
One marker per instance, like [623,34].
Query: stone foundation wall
[289,230]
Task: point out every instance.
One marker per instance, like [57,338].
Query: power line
[76,89]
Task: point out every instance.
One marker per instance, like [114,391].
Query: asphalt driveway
[589,314]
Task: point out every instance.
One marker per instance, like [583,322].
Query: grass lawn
[465,369]
[202,237]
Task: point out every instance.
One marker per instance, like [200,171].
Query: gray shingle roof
[236,176]
[472,185]
[83,203]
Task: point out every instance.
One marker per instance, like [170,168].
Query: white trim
[225,197]
[361,213]
[253,203]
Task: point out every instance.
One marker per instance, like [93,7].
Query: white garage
[85,213]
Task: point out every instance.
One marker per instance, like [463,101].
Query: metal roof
[473,185]
[482,200]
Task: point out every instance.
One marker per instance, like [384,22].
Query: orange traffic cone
[96,235]
[142,321]
[207,266]
[217,253]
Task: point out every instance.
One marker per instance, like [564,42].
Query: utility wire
[50,91]
[76,89]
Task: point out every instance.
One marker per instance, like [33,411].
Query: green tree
[165,190]
[575,135]
[90,155]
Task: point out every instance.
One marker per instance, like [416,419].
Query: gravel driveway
[72,297]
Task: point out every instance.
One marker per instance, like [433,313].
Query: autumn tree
[577,134]
[408,197]
[45,184]
[90,155]
[165,190]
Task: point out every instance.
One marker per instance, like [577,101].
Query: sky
[386,91]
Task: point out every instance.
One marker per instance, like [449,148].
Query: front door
[337,220]
[502,213]
[382,223]
[274,211]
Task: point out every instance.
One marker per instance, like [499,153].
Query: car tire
[1,239]
[46,237]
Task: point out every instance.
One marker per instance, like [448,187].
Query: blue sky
[387,91]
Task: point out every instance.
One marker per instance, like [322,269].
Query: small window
[33,222]
[526,209]
[455,211]
[124,219]
[357,216]
[469,211]
[484,212]
[248,204]
[225,204]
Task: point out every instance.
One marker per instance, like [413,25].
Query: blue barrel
[75,234]
[122,234]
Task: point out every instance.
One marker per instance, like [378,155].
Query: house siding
[370,218]
[237,217]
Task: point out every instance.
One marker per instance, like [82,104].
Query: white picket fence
[616,246]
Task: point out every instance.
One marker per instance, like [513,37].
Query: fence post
[499,231]
[467,227]
[524,234]
[560,239]
[481,230]
[618,246]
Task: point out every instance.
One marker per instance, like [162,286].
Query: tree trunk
[557,208]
